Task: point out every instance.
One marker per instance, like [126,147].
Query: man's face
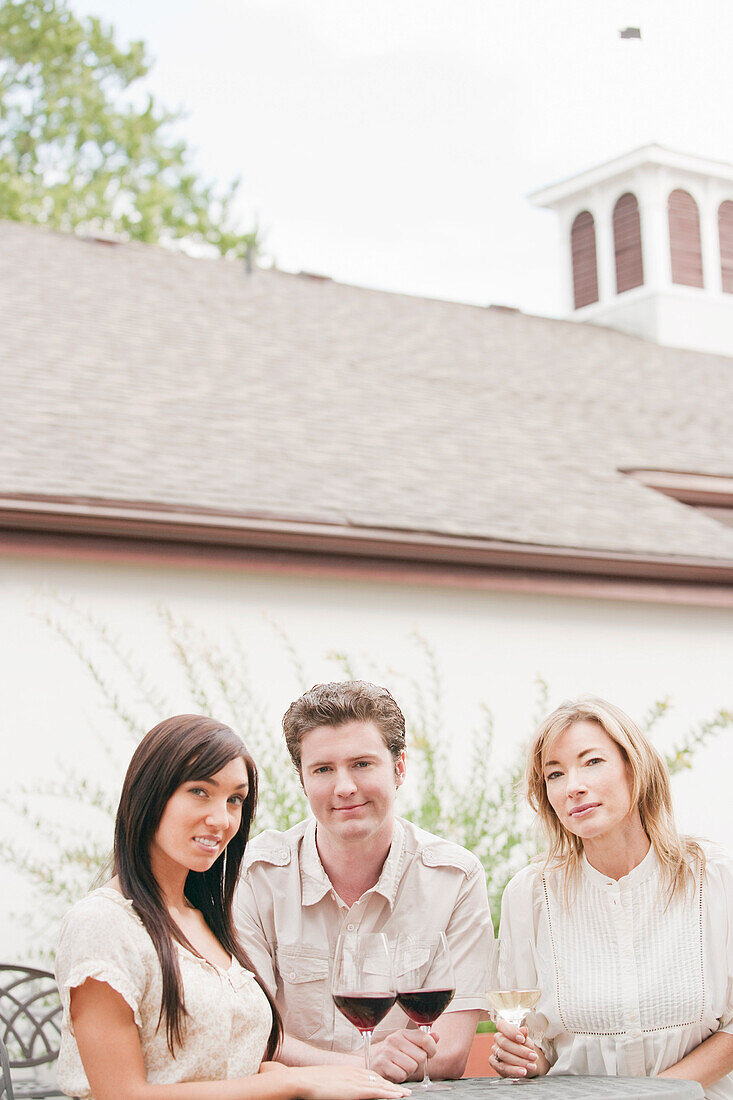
[350,779]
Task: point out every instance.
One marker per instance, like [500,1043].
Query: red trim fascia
[715,490]
[247,532]
[78,548]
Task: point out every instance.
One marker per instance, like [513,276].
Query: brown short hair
[336,704]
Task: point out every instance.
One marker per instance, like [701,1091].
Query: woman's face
[200,818]
[588,781]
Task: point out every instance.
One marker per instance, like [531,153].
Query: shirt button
[283,853]
[292,975]
[350,927]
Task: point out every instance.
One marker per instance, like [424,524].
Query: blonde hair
[650,791]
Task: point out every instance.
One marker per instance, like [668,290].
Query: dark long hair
[177,751]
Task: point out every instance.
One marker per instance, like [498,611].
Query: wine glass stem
[426,1082]
[367,1050]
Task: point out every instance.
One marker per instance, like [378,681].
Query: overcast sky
[392,143]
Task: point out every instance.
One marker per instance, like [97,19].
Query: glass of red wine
[362,985]
[425,982]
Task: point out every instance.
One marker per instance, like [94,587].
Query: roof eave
[658,155]
[210,527]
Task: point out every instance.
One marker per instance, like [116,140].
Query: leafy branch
[681,755]
[81,147]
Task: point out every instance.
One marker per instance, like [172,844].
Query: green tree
[79,149]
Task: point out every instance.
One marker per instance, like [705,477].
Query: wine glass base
[437,1086]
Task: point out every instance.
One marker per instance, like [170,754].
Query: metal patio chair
[30,1030]
[6,1085]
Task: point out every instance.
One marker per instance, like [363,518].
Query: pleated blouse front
[630,984]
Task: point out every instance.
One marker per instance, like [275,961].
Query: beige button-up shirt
[289,917]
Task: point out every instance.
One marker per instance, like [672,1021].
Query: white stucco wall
[489,646]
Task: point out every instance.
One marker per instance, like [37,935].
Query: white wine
[513,1000]
[513,1004]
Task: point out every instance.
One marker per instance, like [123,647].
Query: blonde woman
[631,924]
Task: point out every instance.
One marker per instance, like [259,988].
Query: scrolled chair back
[30,1015]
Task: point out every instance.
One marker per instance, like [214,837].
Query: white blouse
[226,1032]
[629,985]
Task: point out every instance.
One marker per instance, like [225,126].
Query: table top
[559,1086]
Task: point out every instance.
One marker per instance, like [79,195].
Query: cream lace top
[229,1018]
[629,987]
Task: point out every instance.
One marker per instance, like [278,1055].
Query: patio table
[560,1087]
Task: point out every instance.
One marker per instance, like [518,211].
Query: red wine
[364,1010]
[423,1006]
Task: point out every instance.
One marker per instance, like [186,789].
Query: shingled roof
[134,376]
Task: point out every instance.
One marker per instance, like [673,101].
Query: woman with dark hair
[625,927]
[160,999]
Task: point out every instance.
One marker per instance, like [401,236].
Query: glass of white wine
[511,997]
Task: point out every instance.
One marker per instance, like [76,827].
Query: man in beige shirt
[357,867]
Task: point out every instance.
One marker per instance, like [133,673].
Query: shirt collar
[315,883]
[389,879]
[644,870]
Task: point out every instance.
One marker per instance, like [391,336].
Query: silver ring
[497,1057]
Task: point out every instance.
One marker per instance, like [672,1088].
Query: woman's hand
[337,1083]
[514,1055]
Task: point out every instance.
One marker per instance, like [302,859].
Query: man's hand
[403,1054]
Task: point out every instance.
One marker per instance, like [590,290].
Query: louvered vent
[725,229]
[585,268]
[627,243]
[684,239]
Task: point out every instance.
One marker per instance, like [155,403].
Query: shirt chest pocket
[303,988]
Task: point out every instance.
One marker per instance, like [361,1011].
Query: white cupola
[648,241]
